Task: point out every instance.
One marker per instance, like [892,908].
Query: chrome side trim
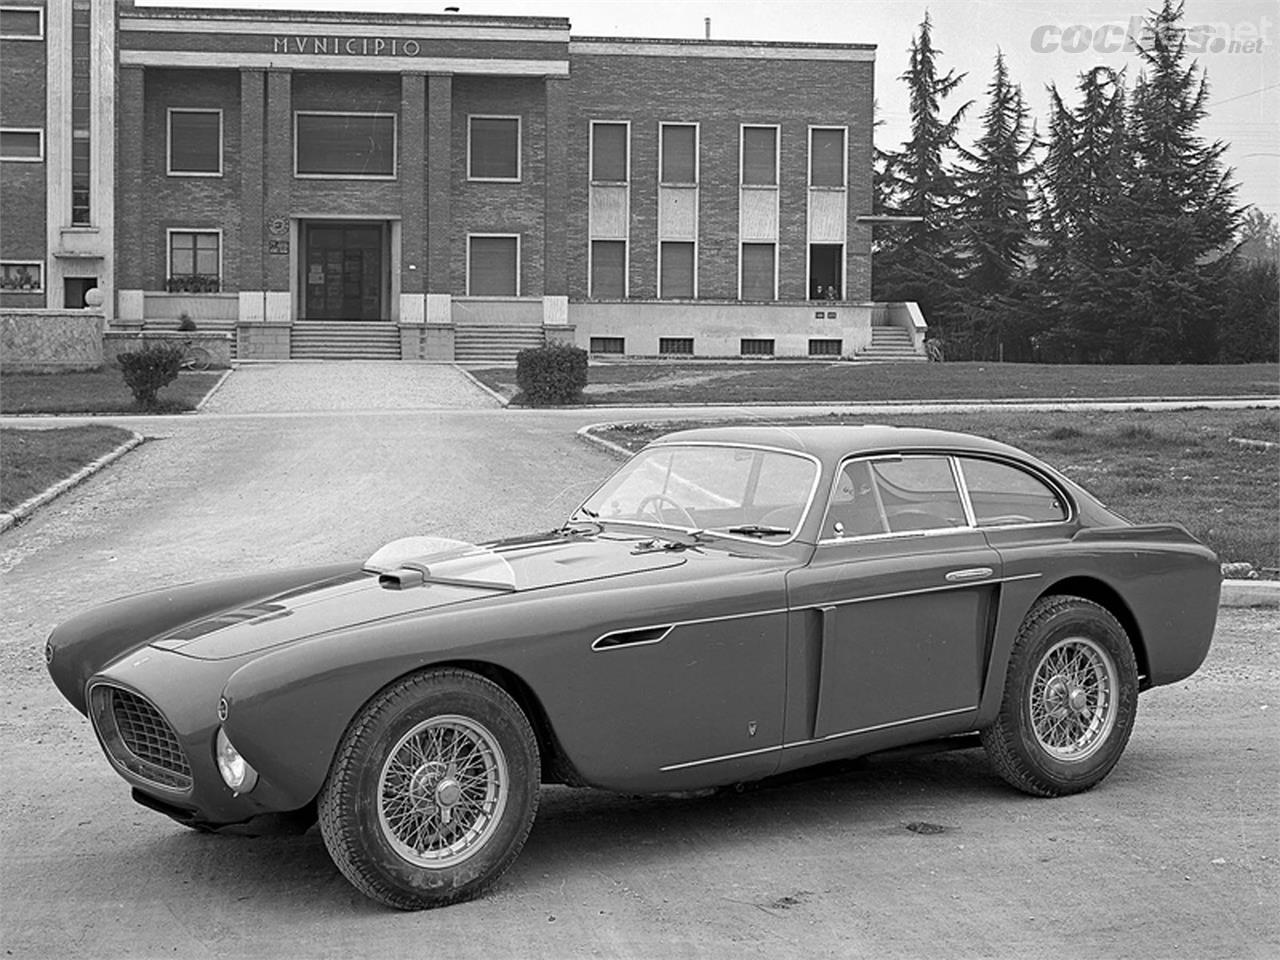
[679,623]
[828,737]
[911,593]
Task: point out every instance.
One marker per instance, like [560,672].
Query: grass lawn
[804,382]
[95,391]
[1148,467]
[34,460]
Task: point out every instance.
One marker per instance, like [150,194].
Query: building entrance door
[343,273]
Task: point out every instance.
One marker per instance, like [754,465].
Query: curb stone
[502,401]
[1235,593]
[27,507]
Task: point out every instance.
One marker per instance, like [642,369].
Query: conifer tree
[995,220]
[920,261]
[1184,198]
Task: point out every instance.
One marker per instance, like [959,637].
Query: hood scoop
[410,574]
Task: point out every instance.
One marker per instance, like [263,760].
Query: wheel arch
[1105,596]
[556,766]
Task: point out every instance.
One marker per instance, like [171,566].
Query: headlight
[235,770]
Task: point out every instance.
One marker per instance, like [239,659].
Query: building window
[493,148]
[679,153]
[195,143]
[759,156]
[195,261]
[826,157]
[677,278]
[825,348]
[22,276]
[758,272]
[21,23]
[826,271]
[609,158]
[24,145]
[608,345]
[676,346]
[756,348]
[355,146]
[493,266]
[608,269]
[81,97]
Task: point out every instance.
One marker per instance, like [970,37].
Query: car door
[903,587]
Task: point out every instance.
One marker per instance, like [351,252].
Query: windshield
[740,491]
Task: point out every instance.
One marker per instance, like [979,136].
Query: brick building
[435,186]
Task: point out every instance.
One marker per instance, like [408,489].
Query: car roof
[833,442]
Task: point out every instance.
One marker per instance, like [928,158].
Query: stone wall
[116,342]
[49,341]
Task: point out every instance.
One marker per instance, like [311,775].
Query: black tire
[1070,698]
[432,791]
[198,358]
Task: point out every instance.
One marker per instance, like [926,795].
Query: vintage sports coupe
[733,603]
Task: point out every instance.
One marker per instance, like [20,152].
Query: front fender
[89,641]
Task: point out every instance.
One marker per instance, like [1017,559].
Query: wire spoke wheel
[1072,699]
[442,791]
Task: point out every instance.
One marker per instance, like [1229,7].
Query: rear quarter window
[1004,495]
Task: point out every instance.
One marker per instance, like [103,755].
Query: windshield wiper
[759,530]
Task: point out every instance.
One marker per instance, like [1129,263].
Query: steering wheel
[657,501]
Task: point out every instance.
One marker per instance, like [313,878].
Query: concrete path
[346,386]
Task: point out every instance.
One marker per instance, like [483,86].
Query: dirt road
[1176,854]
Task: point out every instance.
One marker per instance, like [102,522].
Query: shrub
[149,369]
[555,373]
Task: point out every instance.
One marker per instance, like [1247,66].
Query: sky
[1044,42]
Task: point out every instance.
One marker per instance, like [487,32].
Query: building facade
[434,186]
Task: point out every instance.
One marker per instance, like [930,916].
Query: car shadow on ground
[579,832]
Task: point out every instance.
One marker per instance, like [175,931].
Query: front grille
[138,738]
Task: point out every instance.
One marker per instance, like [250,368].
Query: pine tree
[1083,225]
[1185,198]
[920,261]
[996,218]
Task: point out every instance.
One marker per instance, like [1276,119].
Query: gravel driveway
[348,385]
[1176,854]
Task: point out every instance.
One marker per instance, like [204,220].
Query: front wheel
[1070,698]
[432,792]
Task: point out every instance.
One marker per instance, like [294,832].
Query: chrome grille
[138,737]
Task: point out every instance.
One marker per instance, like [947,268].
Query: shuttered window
[346,145]
[21,144]
[759,156]
[608,269]
[494,148]
[677,271]
[826,158]
[493,269]
[757,271]
[679,153]
[609,152]
[195,142]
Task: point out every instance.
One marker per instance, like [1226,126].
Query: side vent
[632,638]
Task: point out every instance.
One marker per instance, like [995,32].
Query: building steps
[491,343]
[891,345]
[344,340]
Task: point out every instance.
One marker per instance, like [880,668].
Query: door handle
[972,573]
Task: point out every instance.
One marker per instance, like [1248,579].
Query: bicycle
[195,358]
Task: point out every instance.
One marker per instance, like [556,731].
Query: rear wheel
[432,792]
[1070,698]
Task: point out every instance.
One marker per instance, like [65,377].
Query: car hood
[411,576]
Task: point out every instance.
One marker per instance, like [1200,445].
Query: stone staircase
[343,340]
[891,345]
[493,344]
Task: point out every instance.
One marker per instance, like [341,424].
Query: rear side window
[1004,495]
